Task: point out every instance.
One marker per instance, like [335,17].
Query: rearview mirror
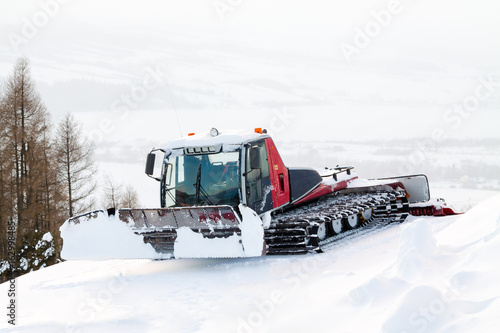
[150,164]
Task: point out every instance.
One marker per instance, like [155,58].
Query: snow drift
[190,244]
[101,238]
[426,275]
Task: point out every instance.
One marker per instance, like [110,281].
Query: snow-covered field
[420,94]
[426,275]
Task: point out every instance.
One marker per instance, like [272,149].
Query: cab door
[258,187]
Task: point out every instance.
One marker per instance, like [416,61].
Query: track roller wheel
[337,226]
[322,231]
[367,214]
[352,221]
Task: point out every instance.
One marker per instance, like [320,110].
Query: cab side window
[257,171]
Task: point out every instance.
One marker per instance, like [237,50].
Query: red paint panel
[229,216]
[279,176]
[214,215]
[323,189]
[432,210]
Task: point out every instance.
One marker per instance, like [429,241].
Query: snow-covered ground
[414,98]
[426,275]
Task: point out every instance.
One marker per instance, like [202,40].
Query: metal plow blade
[195,232]
[417,187]
[178,229]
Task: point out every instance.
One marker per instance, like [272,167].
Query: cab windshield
[200,180]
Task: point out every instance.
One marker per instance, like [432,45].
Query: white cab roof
[224,138]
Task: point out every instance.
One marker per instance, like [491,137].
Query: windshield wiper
[172,197]
[164,190]
[200,189]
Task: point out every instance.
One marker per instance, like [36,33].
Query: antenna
[175,108]
[178,121]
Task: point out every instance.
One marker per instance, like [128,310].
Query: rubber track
[296,231]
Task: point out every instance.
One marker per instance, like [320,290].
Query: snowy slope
[426,275]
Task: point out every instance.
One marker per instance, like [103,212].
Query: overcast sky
[335,69]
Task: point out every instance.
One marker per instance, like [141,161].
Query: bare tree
[75,157]
[6,169]
[112,193]
[30,193]
[130,198]
[25,121]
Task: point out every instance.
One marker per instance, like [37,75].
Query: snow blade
[194,232]
[159,226]
[416,186]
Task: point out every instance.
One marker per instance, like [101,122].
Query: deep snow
[426,275]
[102,238]
[190,244]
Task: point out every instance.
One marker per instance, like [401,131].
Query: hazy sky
[336,69]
